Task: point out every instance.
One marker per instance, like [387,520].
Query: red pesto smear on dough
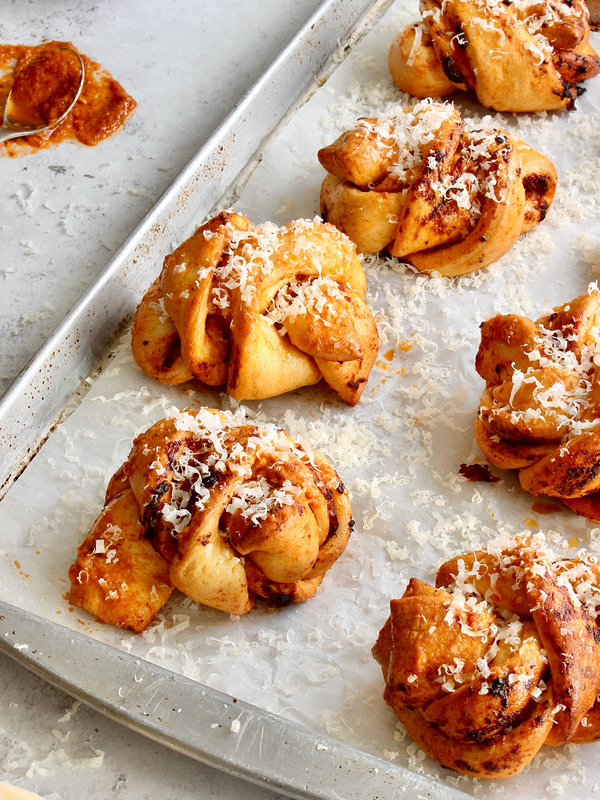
[477,472]
[102,107]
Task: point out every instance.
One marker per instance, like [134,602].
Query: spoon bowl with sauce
[44,90]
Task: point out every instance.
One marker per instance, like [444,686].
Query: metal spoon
[11,128]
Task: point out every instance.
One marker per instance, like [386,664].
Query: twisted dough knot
[518,56]
[438,196]
[260,308]
[222,510]
[540,411]
[502,657]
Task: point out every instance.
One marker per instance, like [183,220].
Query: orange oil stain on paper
[539,507]
[387,368]
[389,356]
[17,565]
[41,93]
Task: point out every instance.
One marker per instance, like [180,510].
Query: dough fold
[418,183]
[217,507]
[540,411]
[501,657]
[521,56]
[264,310]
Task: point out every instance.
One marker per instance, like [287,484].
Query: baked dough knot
[217,507]
[527,55]
[501,657]
[262,309]
[439,196]
[540,411]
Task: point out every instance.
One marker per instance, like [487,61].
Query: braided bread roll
[515,56]
[262,309]
[501,657]
[218,508]
[435,195]
[540,411]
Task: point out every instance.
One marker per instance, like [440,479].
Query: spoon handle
[12,133]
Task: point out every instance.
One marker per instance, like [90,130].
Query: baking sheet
[399,450]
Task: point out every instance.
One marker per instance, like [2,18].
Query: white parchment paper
[399,450]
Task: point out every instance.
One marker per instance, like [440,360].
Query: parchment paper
[399,450]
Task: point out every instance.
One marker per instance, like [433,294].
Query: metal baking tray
[169,708]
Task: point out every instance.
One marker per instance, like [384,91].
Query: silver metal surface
[205,724]
[169,708]
[11,128]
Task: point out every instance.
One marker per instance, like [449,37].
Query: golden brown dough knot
[216,507]
[502,657]
[540,411]
[262,309]
[526,55]
[436,195]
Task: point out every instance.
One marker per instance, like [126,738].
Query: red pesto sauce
[44,88]
[102,107]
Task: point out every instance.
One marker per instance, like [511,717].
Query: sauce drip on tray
[45,86]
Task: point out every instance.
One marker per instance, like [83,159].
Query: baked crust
[497,660]
[434,194]
[264,310]
[540,411]
[218,508]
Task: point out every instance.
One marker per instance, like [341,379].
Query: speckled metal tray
[185,715]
